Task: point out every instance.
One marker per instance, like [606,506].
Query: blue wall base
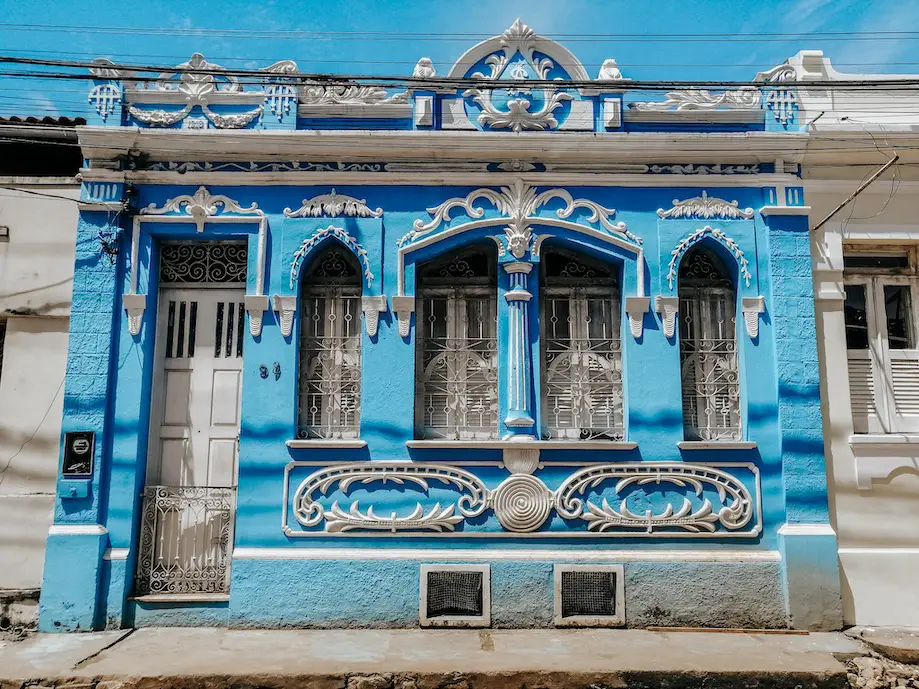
[811,564]
[385,593]
[73,572]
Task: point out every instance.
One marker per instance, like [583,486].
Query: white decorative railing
[185,541]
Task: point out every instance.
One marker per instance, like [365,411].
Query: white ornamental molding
[636,308]
[373,306]
[200,82]
[519,38]
[609,71]
[742,263]
[752,307]
[706,207]
[518,205]
[105,98]
[522,503]
[201,206]
[424,69]
[256,306]
[316,238]
[350,94]
[285,307]
[134,304]
[404,307]
[333,205]
[309,512]
[714,169]
[781,98]
[745,98]
[668,308]
[280,98]
[734,513]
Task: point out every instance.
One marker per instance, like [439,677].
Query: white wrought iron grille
[203,262]
[330,348]
[582,352]
[708,350]
[457,368]
[185,540]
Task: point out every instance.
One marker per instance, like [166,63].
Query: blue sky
[700,58]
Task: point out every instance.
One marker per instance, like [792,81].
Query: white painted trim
[523,444]
[28,181]
[901,441]
[806,530]
[175,598]
[116,554]
[879,551]
[322,444]
[77,530]
[102,206]
[716,445]
[483,620]
[747,116]
[784,210]
[443,177]
[507,555]
[615,620]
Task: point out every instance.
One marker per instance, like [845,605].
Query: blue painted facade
[531,169]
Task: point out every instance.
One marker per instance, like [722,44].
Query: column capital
[517,267]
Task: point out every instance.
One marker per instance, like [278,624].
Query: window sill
[183,598]
[883,440]
[318,444]
[519,445]
[879,455]
[716,445]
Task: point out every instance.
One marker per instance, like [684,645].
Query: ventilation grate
[588,593]
[455,594]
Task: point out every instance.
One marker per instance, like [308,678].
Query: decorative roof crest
[201,206]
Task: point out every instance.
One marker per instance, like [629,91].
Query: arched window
[457,371]
[581,349]
[708,349]
[330,346]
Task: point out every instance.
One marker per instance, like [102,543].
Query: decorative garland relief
[721,236]
[522,503]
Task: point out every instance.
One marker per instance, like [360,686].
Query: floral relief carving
[312,241]
[519,204]
[201,205]
[522,503]
[745,98]
[350,94]
[333,205]
[681,248]
[705,207]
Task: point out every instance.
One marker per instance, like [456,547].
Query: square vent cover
[455,595]
[589,595]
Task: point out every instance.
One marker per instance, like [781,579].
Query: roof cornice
[107,143]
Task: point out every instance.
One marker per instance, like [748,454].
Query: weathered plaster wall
[36,270]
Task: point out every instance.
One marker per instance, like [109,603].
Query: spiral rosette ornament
[522,503]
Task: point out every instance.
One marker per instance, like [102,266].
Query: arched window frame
[456,327]
[581,367]
[709,339]
[329,345]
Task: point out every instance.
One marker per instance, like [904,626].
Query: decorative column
[519,419]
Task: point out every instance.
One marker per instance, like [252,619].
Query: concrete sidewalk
[432,659]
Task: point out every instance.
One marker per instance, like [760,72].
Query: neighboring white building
[37,235]
[866,273]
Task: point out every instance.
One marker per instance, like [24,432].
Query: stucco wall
[878,528]
[36,269]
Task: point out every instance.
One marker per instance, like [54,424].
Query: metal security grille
[457,388]
[455,594]
[185,540]
[218,262]
[330,348]
[591,594]
[582,351]
[708,350]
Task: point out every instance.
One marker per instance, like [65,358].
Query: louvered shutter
[903,377]
[862,392]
